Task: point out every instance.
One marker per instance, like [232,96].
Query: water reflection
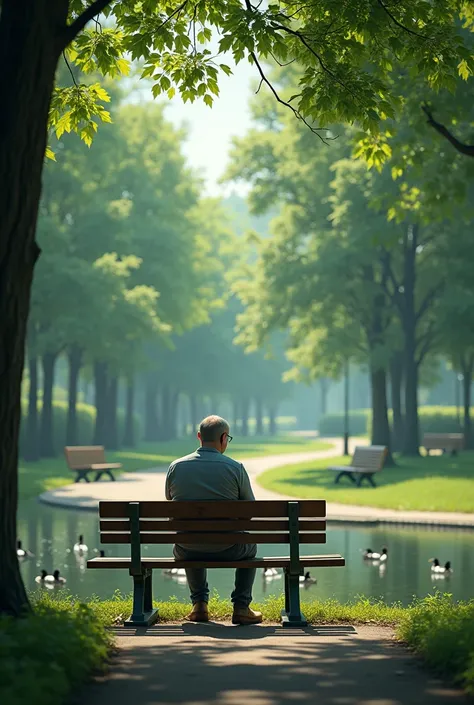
[51,534]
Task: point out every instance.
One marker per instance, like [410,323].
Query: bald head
[211,429]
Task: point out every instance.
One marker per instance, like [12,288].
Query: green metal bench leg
[110,474]
[143,614]
[345,473]
[367,477]
[291,616]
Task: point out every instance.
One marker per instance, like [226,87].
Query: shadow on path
[267,665]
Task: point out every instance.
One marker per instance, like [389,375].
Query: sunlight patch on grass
[441,483]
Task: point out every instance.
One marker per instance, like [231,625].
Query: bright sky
[211,129]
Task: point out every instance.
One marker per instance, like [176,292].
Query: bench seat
[323,561]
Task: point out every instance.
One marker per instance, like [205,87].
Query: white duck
[370,555]
[271,574]
[50,580]
[21,552]
[175,572]
[40,578]
[80,547]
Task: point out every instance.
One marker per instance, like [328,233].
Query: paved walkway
[218,664]
[150,484]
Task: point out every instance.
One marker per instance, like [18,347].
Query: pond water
[51,533]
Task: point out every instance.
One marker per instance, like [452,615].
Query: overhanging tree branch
[296,113]
[429,300]
[466,149]
[398,23]
[80,22]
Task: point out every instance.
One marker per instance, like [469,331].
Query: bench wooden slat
[81,457]
[123,525]
[198,538]
[323,561]
[105,466]
[213,510]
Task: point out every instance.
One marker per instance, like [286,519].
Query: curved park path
[149,484]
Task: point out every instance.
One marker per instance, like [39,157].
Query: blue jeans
[197,577]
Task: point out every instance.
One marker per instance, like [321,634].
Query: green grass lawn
[48,474]
[435,483]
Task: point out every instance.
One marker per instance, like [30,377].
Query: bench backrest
[439,440]
[264,521]
[369,457]
[80,457]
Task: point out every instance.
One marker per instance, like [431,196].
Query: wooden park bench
[453,442]
[85,459]
[366,461]
[260,522]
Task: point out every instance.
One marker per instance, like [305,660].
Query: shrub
[433,419]
[85,424]
[442,632]
[333,424]
[47,654]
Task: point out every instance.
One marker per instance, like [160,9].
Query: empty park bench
[260,522]
[443,441]
[85,459]
[366,461]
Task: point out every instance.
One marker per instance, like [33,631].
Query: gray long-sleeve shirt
[204,475]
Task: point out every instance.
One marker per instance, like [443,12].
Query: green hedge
[433,419]
[85,424]
[333,424]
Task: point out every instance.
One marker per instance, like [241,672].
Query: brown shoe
[244,615]
[200,613]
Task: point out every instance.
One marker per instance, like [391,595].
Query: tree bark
[396,380]
[258,417]
[467,369]
[380,425]
[129,430]
[411,442]
[47,445]
[111,411]
[324,385]
[100,401]
[29,52]
[151,410]
[75,363]
[31,439]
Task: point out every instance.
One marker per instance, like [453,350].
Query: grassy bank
[435,483]
[438,629]
[48,474]
[46,655]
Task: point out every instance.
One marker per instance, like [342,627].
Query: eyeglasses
[229,438]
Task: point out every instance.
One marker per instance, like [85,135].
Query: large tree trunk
[29,53]
[100,401]
[245,406]
[396,380]
[111,412]
[129,430]
[411,441]
[151,410]
[380,425]
[467,369]
[258,417]
[31,438]
[193,413]
[47,448]
[324,386]
[75,363]
[272,424]
[236,416]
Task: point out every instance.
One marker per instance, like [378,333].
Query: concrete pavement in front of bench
[217,664]
[150,485]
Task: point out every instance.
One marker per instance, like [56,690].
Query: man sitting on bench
[208,474]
